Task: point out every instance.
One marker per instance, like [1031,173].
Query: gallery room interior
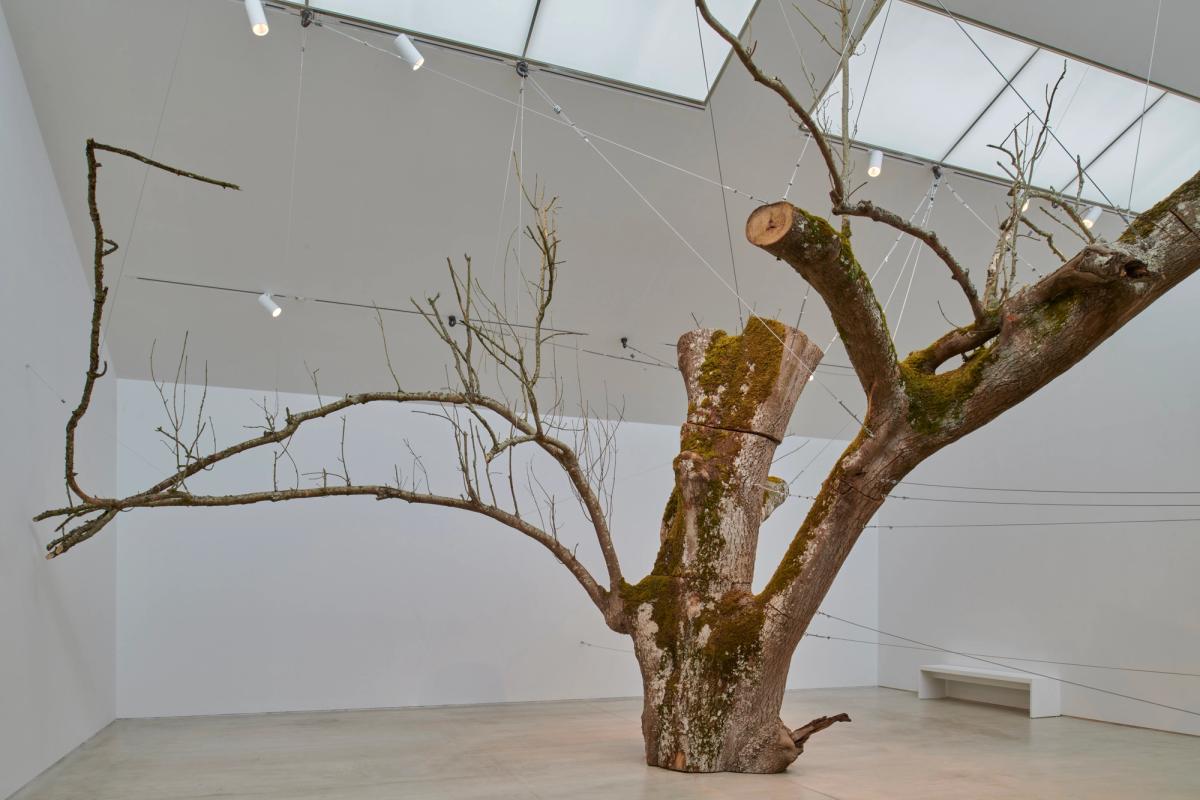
[625,399]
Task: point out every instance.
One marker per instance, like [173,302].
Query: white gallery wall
[56,618]
[1112,594]
[357,603]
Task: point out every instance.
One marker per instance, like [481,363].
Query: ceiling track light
[266,301]
[1091,216]
[875,165]
[257,17]
[408,51]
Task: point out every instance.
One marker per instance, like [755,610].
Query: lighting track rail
[297,8]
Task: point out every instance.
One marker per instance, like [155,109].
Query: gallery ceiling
[396,170]
[655,46]
[946,90]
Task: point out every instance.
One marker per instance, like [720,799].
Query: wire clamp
[523,68]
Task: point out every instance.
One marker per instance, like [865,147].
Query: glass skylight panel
[1169,155]
[932,94]
[929,81]
[499,25]
[651,44]
[1091,109]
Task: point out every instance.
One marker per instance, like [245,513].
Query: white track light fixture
[875,165]
[408,51]
[258,17]
[1091,216]
[266,301]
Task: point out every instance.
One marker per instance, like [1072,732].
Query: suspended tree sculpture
[714,656]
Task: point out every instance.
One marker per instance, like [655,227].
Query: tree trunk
[712,690]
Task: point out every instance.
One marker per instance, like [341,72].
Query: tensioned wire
[874,526]
[787,189]
[550,117]
[517,120]
[871,72]
[925,198]
[586,137]
[987,225]
[287,241]
[1024,503]
[520,239]
[913,272]
[1027,105]
[927,203]
[689,246]
[928,198]
[508,170]
[1027,524]
[137,209]
[1145,97]
[1009,666]
[712,119]
[841,63]
[1050,491]
[932,649]
[587,134]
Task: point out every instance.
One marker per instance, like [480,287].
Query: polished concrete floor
[897,747]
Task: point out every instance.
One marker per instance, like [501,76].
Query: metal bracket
[523,68]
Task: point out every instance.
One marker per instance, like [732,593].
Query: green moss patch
[934,399]
[735,635]
[742,370]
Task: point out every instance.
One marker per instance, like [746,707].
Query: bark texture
[711,698]
[714,656]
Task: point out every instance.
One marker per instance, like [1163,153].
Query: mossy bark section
[697,628]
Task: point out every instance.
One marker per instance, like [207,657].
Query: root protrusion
[801,735]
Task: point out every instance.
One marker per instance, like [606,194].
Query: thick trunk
[712,690]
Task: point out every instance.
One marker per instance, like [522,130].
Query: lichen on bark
[697,627]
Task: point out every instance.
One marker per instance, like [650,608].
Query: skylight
[650,45]
[932,93]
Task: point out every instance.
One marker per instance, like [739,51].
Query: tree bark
[714,657]
[711,698]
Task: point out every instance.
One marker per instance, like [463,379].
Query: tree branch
[745,55]
[838,194]
[1049,326]
[498,340]
[176,499]
[823,258]
[865,208]
[104,247]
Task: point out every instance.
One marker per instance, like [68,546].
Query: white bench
[1043,692]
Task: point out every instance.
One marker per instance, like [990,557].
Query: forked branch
[839,197]
[484,427]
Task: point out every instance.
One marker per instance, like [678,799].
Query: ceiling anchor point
[523,68]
